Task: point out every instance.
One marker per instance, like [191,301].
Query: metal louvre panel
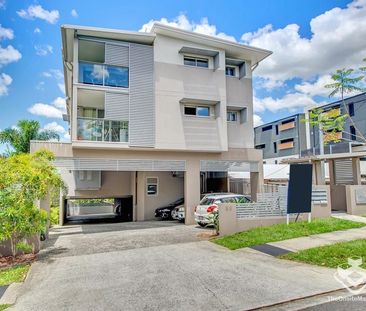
[225,166]
[142,106]
[343,171]
[116,106]
[201,133]
[116,55]
[90,164]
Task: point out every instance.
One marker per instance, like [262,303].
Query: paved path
[316,240]
[159,266]
[349,217]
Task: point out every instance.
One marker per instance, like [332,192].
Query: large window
[152,186]
[106,75]
[351,109]
[196,62]
[199,111]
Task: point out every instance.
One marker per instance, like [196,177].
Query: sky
[310,39]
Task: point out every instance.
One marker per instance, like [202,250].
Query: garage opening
[117,209]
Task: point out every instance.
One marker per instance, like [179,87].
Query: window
[232,116]
[351,109]
[267,128]
[353,132]
[262,146]
[230,71]
[105,75]
[196,62]
[152,186]
[288,121]
[275,147]
[199,111]
[276,129]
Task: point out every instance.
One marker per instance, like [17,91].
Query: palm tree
[344,83]
[20,136]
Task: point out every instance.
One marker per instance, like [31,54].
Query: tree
[19,138]
[346,82]
[25,178]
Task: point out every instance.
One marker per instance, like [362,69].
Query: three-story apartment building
[153,114]
[280,139]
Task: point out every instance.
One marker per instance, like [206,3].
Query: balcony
[103,75]
[286,126]
[286,145]
[93,129]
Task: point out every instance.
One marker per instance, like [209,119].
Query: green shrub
[54,215]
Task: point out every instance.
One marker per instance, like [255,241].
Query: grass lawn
[13,274]
[3,307]
[282,232]
[331,255]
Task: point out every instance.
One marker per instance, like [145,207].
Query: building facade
[280,139]
[152,116]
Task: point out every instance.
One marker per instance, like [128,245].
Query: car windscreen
[207,201]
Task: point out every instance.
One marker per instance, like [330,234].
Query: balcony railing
[103,130]
[104,75]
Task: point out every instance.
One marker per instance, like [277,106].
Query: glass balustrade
[105,75]
[103,130]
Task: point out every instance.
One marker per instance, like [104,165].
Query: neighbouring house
[154,117]
[280,139]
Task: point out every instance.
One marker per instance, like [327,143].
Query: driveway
[159,266]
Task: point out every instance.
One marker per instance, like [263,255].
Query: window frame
[232,113]
[196,108]
[234,71]
[195,58]
[152,184]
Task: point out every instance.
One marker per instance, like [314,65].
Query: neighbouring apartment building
[355,107]
[281,139]
[292,138]
[154,117]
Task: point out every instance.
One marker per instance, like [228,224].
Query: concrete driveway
[159,266]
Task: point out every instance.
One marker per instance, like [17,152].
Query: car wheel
[202,224]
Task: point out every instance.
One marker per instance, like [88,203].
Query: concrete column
[331,172]
[228,184]
[192,189]
[317,171]
[140,196]
[254,185]
[356,171]
[133,193]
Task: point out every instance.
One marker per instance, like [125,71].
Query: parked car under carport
[165,212]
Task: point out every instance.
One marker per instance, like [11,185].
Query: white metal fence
[273,203]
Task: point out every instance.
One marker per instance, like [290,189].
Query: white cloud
[59,103]
[53,110]
[54,126]
[37,30]
[291,102]
[335,43]
[315,88]
[43,50]
[9,55]
[40,86]
[61,87]
[45,110]
[6,33]
[53,73]
[36,11]
[5,81]
[74,13]
[182,22]
[257,120]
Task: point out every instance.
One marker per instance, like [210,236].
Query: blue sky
[309,39]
